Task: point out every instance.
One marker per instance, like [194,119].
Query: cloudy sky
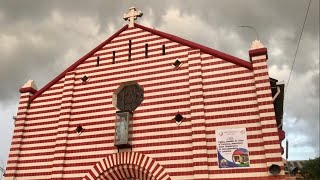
[39,39]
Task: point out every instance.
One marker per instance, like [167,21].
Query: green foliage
[311,169]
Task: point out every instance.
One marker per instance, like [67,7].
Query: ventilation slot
[98,59]
[113,57]
[146,50]
[163,49]
[129,56]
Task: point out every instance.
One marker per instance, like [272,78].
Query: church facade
[145,104]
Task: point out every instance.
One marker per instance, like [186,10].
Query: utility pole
[287,153]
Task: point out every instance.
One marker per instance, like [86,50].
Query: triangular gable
[173,38]
[202,48]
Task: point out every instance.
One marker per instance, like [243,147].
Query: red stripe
[229,108]
[260,67]
[194,52]
[129,38]
[230,101]
[266,80]
[129,33]
[261,74]
[236,86]
[259,61]
[23,96]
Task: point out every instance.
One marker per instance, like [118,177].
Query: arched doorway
[126,172]
[127,166]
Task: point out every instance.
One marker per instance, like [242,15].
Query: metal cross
[132,15]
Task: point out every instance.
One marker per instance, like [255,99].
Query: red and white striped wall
[210,90]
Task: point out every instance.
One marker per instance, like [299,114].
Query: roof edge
[258,52]
[27,89]
[76,64]
[204,49]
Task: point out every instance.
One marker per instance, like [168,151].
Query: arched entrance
[127,166]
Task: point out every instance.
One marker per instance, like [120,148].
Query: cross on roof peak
[132,15]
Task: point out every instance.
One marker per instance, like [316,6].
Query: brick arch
[118,166]
[122,172]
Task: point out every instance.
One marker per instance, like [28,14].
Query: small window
[84,78]
[178,118]
[79,129]
[177,63]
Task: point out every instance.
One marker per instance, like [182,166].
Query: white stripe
[264,63]
[259,57]
[235,97]
[255,109]
[215,85]
[220,78]
[261,71]
[226,105]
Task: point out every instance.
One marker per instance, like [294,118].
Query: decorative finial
[132,15]
[256,44]
[30,84]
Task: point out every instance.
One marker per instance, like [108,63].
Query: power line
[295,54]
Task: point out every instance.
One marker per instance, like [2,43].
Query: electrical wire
[295,54]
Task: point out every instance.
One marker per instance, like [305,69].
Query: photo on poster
[232,148]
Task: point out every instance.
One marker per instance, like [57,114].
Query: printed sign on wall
[232,148]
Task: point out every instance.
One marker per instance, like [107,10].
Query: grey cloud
[39,48]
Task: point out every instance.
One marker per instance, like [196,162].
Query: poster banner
[232,148]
